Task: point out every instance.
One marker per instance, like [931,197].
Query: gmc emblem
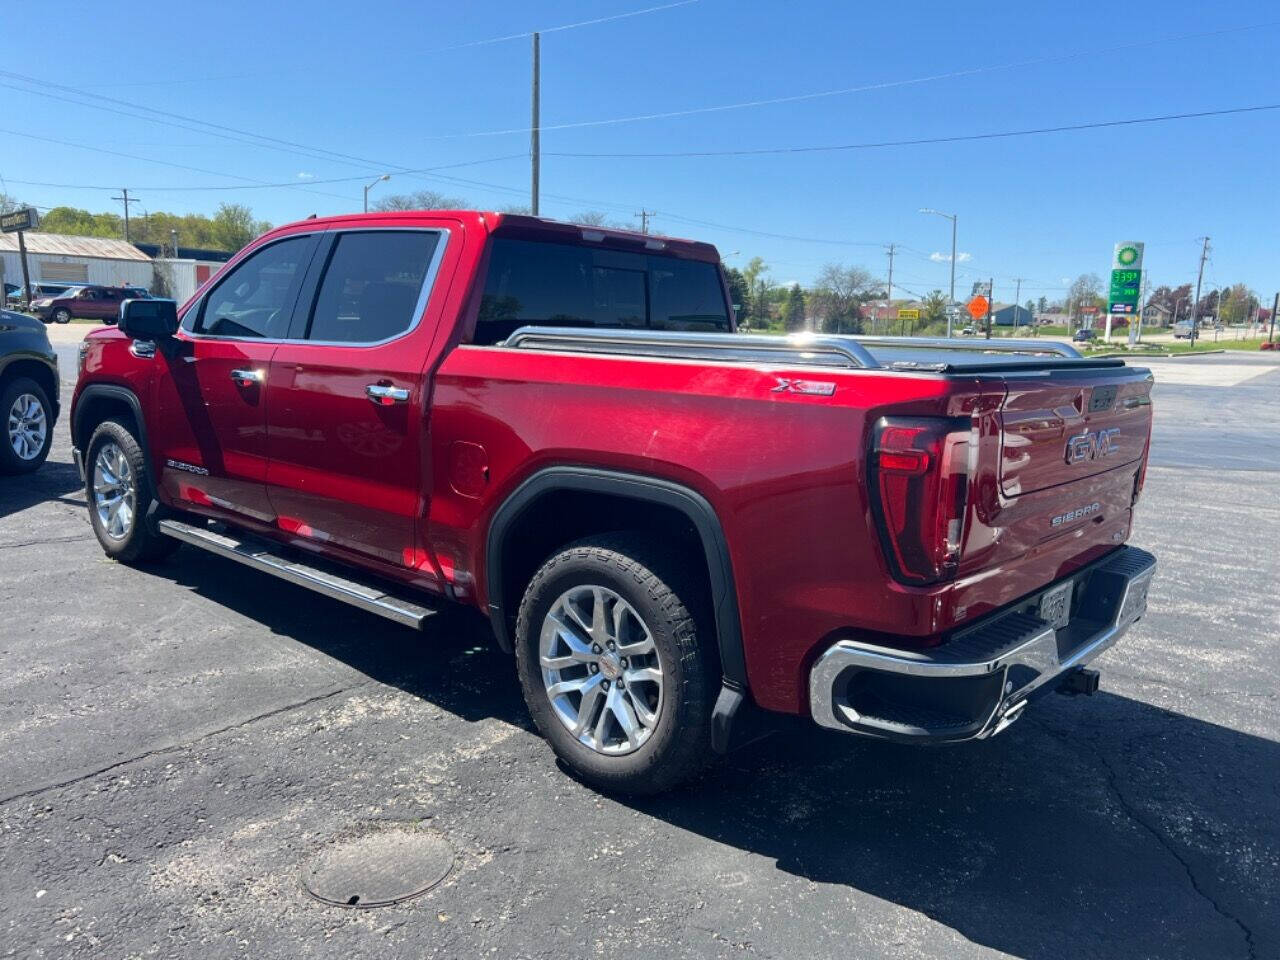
[1092,446]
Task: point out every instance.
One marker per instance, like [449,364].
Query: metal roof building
[57,258]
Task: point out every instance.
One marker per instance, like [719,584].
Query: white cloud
[961,257]
[304,175]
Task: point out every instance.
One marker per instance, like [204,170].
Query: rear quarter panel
[784,473]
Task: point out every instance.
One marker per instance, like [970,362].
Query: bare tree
[838,295]
[421,200]
[596,218]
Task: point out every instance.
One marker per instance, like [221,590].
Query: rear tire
[26,426]
[117,481]
[624,696]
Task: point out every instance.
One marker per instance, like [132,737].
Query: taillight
[920,481]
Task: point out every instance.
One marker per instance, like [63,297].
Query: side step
[265,557]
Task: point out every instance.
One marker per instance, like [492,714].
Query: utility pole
[1016,308]
[535,146]
[124,197]
[888,297]
[991,294]
[1195,304]
[1142,309]
[645,216]
[1275,305]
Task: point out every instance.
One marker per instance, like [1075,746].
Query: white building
[185,272]
[56,258]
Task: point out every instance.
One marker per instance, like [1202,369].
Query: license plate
[1055,606]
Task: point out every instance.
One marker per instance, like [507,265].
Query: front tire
[617,670]
[62,315]
[118,486]
[27,426]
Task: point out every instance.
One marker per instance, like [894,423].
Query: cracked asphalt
[176,743]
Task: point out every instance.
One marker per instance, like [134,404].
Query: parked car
[88,302]
[28,393]
[967,331]
[1084,335]
[668,523]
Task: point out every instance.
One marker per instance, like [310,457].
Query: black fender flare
[107,391]
[633,486]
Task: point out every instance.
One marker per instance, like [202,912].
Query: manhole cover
[377,869]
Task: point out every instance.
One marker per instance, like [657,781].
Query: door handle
[247,378]
[384,395]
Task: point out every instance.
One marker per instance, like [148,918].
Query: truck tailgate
[1064,429]
[1059,468]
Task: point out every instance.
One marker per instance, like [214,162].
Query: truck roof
[533,228]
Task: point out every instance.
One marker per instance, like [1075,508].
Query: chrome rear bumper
[979,681]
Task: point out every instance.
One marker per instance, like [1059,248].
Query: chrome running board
[263,556]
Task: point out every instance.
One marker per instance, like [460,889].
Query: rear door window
[564,285]
[373,285]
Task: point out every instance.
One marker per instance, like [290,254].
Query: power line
[694,111]
[920,141]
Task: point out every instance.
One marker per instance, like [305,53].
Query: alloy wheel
[28,426]
[601,670]
[114,491]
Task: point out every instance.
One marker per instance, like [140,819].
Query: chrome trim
[259,557]
[245,378]
[377,392]
[569,338]
[1040,653]
[999,345]
[420,309]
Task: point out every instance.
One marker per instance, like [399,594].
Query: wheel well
[560,517]
[35,370]
[96,408]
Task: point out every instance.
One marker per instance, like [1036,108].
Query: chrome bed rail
[810,348]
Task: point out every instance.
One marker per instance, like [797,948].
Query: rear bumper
[980,680]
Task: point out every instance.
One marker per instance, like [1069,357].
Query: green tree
[933,308]
[759,288]
[738,295]
[793,311]
[233,227]
[1042,305]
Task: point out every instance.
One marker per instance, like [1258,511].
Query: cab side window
[256,298]
[372,286]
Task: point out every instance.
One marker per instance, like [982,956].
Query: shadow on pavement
[53,481]
[1099,827]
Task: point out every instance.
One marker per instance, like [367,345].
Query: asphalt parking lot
[177,743]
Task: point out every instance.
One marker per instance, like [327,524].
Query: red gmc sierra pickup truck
[667,522]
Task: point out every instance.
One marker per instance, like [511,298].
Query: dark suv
[89,302]
[28,393]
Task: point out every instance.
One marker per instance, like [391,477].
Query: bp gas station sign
[1125,293]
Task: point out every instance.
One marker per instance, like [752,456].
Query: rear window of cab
[532,283]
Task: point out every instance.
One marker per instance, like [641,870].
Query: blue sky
[398,84]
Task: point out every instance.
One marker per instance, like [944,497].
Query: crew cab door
[347,396]
[210,424]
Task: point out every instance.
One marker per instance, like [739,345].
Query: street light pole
[952,303]
[385,176]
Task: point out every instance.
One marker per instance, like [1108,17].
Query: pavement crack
[33,543]
[36,790]
[1134,814]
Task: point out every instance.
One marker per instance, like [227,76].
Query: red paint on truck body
[409,491]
